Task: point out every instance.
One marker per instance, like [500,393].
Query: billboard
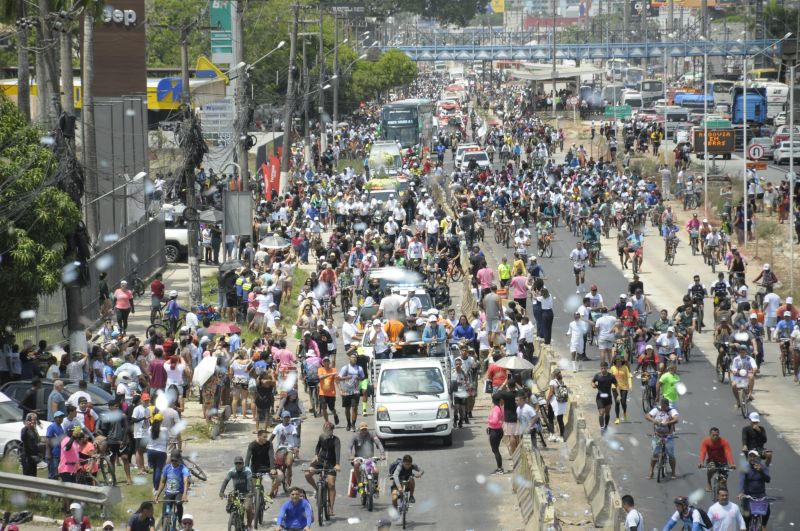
[120,66]
[221,22]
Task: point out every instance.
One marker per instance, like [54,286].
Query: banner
[265,176]
[221,19]
[274,176]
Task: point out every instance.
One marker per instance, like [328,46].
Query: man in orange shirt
[327,389]
[393,329]
[715,450]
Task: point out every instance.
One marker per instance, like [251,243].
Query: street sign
[720,141]
[756,165]
[221,18]
[572,100]
[618,111]
[755,151]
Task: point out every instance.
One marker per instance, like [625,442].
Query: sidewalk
[665,286]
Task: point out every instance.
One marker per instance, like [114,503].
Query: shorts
[770,321]
[364,384]
[670,447]
[577,270]
[350,400]
[493,325]
[141,443]
[328,402]
[603,401]
[231,300]
[509,428]
[67,477]
[320,466]
[604,343]
[263,414]
[239,391]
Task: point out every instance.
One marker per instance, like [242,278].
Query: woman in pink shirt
[495,431]
[485,276]
[69,463]
[123,304]
[519,290]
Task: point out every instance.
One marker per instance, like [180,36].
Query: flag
[274,175]
[265,176]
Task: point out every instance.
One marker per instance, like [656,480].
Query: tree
[458,12]
[163,45]
[35,218]
[13,10]
[393,69]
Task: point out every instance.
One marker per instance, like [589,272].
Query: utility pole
[289,106]
[88,136]
[335,72]
[188,125]
[554,57]
[241,103]
[68,89]
[323,136]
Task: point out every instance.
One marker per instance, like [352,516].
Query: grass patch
[199,431]
[356,164]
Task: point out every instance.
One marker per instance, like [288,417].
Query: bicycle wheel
[720,372]
[233,521]
[107,473]
[785,368]
[456,274]
[322,501]
[660,466]
[671,258]
[370,494]
[160,330]
[549,250]
[138,287]
[647,399]
[195,470]
[404,511]
[743,404]
[498,236]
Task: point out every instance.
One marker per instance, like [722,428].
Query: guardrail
[104,496]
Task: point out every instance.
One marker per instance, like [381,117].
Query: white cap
[754,316]
[754,417]
[376,322]
[432,319]
[787,314]
[187,516]
[629,304]
[75,505]
[670,329]
[351,313]
[623,296]
[705,220]
[766,267]
[789,300]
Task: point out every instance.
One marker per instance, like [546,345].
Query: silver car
[766,143]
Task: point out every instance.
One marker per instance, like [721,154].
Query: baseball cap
[75,505]
[376,322]
[623,296]
[752,452]
[109,523]
[286,414]
[766,267]
[754,417]
[145,396]
[789,300]
[432,319]
[629,304]
[238,459]
[670,329]
[753,316]
[186,517]
[787,314]
[351,313]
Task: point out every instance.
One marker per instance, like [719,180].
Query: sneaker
[336,419]
[616,421]
[578,290]
[411,499]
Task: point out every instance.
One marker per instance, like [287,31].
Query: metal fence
[141,250]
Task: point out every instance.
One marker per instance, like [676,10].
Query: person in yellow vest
[504,272]
[518,268]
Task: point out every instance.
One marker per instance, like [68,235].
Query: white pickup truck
[412,398]
[176,244]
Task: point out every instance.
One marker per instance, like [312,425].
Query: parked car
[11,424]
[780,119]
[786,151]
[176,244]
[16,391]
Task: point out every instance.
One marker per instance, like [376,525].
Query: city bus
[409,122]
[633,77]
[763,74]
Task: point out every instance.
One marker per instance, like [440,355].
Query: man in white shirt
[634,521]
[578,257]
[771,303]
[432,232]
[415,250]
[349,331]
[606,334]
[725,516]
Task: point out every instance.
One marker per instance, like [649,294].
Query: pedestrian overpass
[587,51]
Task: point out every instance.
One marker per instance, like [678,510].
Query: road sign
[720,141]
[756,165]
[618,111]
[572,100]
[755,151]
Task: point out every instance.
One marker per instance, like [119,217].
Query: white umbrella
[274,242]
[204,370]
[515,363]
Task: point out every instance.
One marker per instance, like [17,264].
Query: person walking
[545,301]
[495,430]
[31,455]
[622,373]
[123,305]
[634,521]
[557,398]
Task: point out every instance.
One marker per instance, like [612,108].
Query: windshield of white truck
[412,381]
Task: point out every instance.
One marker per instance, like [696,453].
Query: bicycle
[719,479]
[454,272]
[545,246]
[672,248]
[786,358]
[164,328]
[403,502]
[694,240]
[648,391]
[169,515]
[741,392]
[346,294]
[323,513]
[663,458]
[261,503]
[136,284]
[758,508]
[194,468]
[367,482]
[237,521]
[723,361]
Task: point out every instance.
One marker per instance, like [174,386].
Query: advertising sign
[221,22]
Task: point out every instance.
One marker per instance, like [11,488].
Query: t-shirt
[70,524]
[726,517]
[55,434]
[519,289]
[58,399]
[327,386]
[668,386]
[491,304]
[140,429]
[660,417]
[175,478]
[352,375]
[634,520]
[136,523]
[497,375]
[485,277]
[604,383]
[174,376]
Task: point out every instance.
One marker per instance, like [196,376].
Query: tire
[785,368]
[171,253]
[321,495]
[549,250]
[660,467]
[233,522]
[108,473]
[370,496]
[447,441]
[405,510]
[671,259]
[457,274]
[195,470]
[213,430]
[744,406]
[720,373]
[160,329]
[138,287]
[259,508]
[647,399]
[11,457]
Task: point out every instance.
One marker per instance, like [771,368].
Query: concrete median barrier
[583,458]
[593,484]
[604,501]
[522,481]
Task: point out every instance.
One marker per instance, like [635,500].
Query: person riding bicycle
[697,291]
[664,418]
[756,331]
[173,310]
[753,483]
[669,233]
[715,450]
[693,227]
[629,317]
[363,446]
[742,371]
[766,276]
[260,458]
[288,443]
[686,515]
[174,483]
[721,289]
[327,456]
[713,243]
[736,267]
[754,437]
[635,243]
[650,363]
[296,513]
[242,479]
[404,471]
[667,344]
[663,322]
[544,229]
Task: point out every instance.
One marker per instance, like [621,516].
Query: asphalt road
[705,404]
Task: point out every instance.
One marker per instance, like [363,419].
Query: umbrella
[275,242]
[514,363]
[231,265]
[223,328]
[210,216]
[204,370]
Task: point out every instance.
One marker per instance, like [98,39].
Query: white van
[385,159]
[632,98]
[412,399]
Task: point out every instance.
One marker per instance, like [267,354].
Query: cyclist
[746,363]
[754,437]
[578,257]
[404,471]
[363,445]
[173,310]
[636,246]
[715,450]
[685,515]
[296,514]
[260,457]
[242,480]
[721,289]
[667,344]
[288,443]
[767,277]
[664,418]
[697,291]
[669,232]
[753,484]
[327,456]
[174,483]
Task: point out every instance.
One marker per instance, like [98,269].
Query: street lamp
[705,127]
[791,177]
[744,125]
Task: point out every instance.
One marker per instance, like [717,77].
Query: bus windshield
[399,116]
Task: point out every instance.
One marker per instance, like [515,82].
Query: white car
[784,152]
[460,152]
[11,425]
[780,119]
[480,158]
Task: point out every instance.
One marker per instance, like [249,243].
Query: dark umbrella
[231,265]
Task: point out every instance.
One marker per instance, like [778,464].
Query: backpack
[394,466]
[562,393]
[703,516]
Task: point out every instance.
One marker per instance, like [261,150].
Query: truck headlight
[382,414]
[444,411]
